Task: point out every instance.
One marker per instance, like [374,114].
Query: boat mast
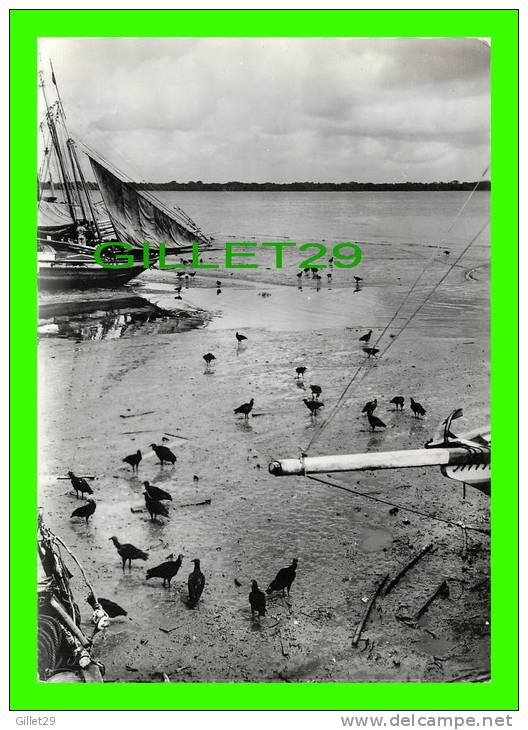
[58,152]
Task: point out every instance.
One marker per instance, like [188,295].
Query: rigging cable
[336,407]
[327,483]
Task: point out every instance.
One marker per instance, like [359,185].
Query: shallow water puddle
[286,308]
[112,318]
[375,538]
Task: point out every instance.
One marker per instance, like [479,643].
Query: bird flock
[155,497]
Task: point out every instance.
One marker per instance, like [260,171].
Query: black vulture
[240,337]
[375,422]
[195,584]
[316,390]
[154,507]
[300,371]
[156,492]
[209,357]
[164,454]
[133,460]
[366,338]
[370,406]
[417,408]
[166,570]
[257,600]
[80,485]
[284,579]
[128,552]
[245,408]
[313,406]
[112,609]
[86,511]
[398,401]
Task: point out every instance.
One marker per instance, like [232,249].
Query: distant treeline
[302,187]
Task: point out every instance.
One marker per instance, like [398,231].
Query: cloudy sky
[279,109]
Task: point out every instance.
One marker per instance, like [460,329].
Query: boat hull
[56,276]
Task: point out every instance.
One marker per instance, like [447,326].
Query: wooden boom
[379,460]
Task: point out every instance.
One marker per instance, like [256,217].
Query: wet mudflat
[103,397]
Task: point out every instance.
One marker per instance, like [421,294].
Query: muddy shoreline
[96,383]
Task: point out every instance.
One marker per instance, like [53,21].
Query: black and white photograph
[263,359]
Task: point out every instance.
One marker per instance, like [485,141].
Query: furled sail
[140,218]
[54,219]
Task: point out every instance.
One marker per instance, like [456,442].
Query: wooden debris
[175,436]
[442,591]
[81,476]
[134,415]
[168,631]
[392,583]
[368,609]
[196,504]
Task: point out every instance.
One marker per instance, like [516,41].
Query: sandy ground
[94,391]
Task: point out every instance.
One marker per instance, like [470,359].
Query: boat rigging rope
[58,539]
[318,431]
[422,305]
[327,483]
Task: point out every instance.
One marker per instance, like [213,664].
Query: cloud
[279,108]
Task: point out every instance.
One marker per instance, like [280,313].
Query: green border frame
[501,693]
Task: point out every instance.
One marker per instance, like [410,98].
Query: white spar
[381,460]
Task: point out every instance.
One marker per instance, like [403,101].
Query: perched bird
[156,492]
[299,275]
[245,408]
[417,408]
[128,552]
[240,337]
[331,260]
[371,351]
[313,406]
[192,274]
[329,275]
[86,511]
[370,406]
[80,485]
[154,507]
[195,584]
[166,570]
[447,252]
[357,279]
[257,600]
[209,357]
[133,460]
[316,390]
[218,283]
[164,454]
[375,422]
[237,583]
[284,579]
[398,402]
[366,338]
[300,371]
[112,609]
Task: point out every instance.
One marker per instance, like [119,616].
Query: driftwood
[133,415]
[392,583]
[81,476]
[196,504]
[368,609]
[175,436]
[441,591]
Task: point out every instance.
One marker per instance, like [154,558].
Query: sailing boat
[71,228]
